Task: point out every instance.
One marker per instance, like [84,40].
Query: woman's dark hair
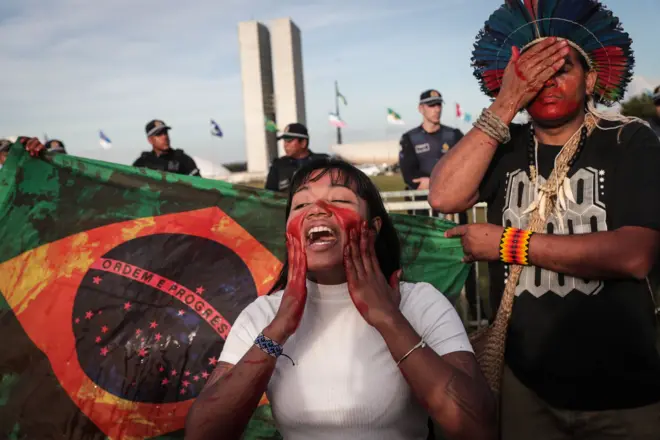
[388,249]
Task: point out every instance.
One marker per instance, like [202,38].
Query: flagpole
[337,112]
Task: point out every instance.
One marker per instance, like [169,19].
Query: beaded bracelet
[514,246]
[270,347]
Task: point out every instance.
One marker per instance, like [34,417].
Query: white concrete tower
[288,72]
[257,79]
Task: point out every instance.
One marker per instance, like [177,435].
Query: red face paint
[562,95]
[295,293]
[347,218]
[552,108]
[294,226]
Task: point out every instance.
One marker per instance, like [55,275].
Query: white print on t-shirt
[586,215]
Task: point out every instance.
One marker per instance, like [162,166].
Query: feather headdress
[586,24]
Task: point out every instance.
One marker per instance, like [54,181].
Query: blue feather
[518,10]
[576,11]
[546,9]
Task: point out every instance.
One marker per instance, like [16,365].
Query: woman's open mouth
[321,238]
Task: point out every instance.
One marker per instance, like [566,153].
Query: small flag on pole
[215,129]
[271,126]
[459,112]
[336,120]
[394,118]
[339,95]
[105,142]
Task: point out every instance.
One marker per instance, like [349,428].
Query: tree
[641,106]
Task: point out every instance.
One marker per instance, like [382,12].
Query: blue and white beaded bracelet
[270,347]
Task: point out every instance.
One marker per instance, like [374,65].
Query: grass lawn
[389,183]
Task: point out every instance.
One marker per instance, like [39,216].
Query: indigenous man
[581,360]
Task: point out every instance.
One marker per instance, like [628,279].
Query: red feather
[493,79]
[533,7]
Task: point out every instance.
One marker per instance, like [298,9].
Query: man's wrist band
[420,344]
[493,126]
[270,347]
[514,246]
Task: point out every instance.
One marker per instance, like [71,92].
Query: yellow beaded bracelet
[514,246]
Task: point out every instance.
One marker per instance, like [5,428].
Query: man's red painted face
[322,214]
[564,95]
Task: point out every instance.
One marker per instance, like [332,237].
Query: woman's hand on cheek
[375,298]
[291,309]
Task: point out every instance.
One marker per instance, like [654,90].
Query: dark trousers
[525,416]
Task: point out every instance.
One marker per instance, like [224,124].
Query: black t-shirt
[582,344]
[173,161]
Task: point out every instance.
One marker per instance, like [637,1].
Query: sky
[69,68]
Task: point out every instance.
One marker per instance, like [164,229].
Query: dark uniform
[283,168]
[171,160]
[420,151]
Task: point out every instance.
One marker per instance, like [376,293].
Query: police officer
[421,148]
[655,120]
[55,146]
[163,157]
[296,147]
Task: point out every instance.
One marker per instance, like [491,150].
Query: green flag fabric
[119,285]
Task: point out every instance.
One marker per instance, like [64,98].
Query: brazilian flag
[119,285]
